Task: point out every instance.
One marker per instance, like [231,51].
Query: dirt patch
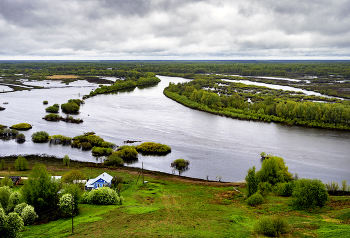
[62,77]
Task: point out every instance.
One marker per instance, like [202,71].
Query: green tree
[6,181]
[40,190]
[66,160]
[117,183]
[273,171]
[14,225]
[72,175]
[21,164]
[2,164]
[5,193]
[180,165]
[251,182]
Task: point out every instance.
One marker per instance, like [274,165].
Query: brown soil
[62,77]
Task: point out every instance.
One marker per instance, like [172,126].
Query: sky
[174,29]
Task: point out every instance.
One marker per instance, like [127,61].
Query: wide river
[214,145]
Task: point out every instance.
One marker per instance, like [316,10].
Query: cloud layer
[174,29]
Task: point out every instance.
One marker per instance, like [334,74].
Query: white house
[102,180]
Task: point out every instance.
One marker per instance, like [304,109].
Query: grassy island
[21,126]
[153,148]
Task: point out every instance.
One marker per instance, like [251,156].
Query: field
[168,206]
[62,77]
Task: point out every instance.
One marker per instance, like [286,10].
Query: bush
[28,215]
[60,139]
[101,151]
[85,198]
[56,105]
[76,191]
[19,207]
[251,182]
[153,148]
[103,196]
[40,137]
[271,226]
[45,102]
[66,160]
[52,109]
[309,193]
[6,181]
[5,193]
[273,170]
[76,101]
[66,203]
[52,117]
[14,200]
[14,225]
[285,189]
[255,199]
[72,175]
[21,126]
[21,164]
[114,160]
[264,188]
[180,165]
[20,138]
[70,107]
[3,222]
[2,164]
[127,152]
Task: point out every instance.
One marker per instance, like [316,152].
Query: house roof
[106,177]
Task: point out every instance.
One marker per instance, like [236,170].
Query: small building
[103,180]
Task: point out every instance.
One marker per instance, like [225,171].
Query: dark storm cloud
[174,28]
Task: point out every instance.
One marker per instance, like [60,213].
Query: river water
[214,145]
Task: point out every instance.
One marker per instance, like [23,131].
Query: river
[214,145]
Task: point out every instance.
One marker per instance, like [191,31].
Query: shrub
[72,175]
[114,160]
[3,222]
[70,107]
[21,164]
[271,226]
[21,126]
[76,191]
[101,151]
[20,138]
[309,193]
[56,105]
[66,203]
[6,181]
[14,225]
[285,189]
[76,101]
[86,146]
[52,109]
[255,199]
[19,207]
[103,196]
[85,198]
[153,148]
[60,139]
[264,188]
[273,170]
[180,165]
[66,160]
[28,215]
[52,117]
[2,164]
[14,200]
[127,152]
[251,182]
[45,102]
[117,182]
[40,137]
[5,193]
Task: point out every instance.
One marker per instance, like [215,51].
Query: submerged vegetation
[153,148]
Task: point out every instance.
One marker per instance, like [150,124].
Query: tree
[14,200]
[66,160]
[251,182]
[180,165]
[6,181]
[40,190]
[21,163]
[273,171]
[117,183]
[66,203]
[72,175]
[14,225]
[29,215]
[2,164]
[5,193]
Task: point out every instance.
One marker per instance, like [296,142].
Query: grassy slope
[168,208]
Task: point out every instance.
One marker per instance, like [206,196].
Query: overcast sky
[174,29]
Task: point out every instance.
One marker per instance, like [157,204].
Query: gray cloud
[176,29]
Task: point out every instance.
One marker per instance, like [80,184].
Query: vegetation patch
[21,126]
[52,109]
[152,148]
[40,137]
[141,210]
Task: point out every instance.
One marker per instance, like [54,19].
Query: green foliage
[2,164]
[76,101]
[21,164]
[264,188]
[332,187]
[271,226]
[52,109]
[3,222]
[309,193]
[127,152]
[66,160]
[285,189]
[89,140]
[101,151]
[20,138]
[114,160]
[153,148]
[6,181]
[19,207]
[56,105]
[180,165]
[21,126]
[76,191]
[117,183]
[70,107]
[251,182]
[273,170]
[40,137]
[14,225]
[40,190]
[103,196]
[72,175]
[66,203]
[15,199]
[5,193]
[45,102]
[344,185]
[60,139]
[28,215]
[255,199]
[52,117]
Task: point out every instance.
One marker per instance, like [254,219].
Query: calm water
[214,145]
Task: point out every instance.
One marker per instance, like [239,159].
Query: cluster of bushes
[2,164]
[101,151]
[52,109]
[334,189]
[153,148]
[52,117]
[102,196]
[114,160]
[6,132]
[60,139]
[40,137]
[271,226]
[21,126]
[127,152]
[55,117]
[70,107]
[21,164]
[89,140]
[274,177]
